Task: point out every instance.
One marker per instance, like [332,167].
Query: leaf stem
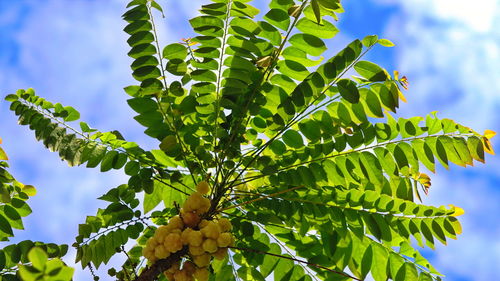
[296,260]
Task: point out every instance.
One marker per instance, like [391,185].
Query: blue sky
[74,52]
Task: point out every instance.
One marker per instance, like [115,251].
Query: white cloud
[449,50]
[450,56]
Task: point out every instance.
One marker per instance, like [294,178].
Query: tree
[263,151]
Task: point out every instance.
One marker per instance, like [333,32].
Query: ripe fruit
[210,246]
[203,239]
[191,219]
[224,239]
[173,242]
[203,187]
[201,274]
[212,230]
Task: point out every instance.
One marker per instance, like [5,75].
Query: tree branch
[152,272]
[296,260]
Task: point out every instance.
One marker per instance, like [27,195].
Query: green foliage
[320,181]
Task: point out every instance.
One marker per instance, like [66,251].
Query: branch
[152,272]
[258,199]
[296,260]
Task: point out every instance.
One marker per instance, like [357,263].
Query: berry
[201,274]
[202,260]
[176,222]
[203,187]
[161,252]
[210,246]
[225,239]
[220,254]
[185,236]
[191,219]
[196,250]
[225,225]
[211,230]
[173,242]
[195,238]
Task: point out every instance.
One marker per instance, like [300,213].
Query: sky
[74,52]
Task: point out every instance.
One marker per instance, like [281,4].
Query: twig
[258,199]
[296,260]
[152,272]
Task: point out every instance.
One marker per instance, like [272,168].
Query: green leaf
[278,18]
[348,90]
[330,4]
[316,10]
[5,228]
[293,139]
[369,40]
[38,258]
[371,71]
[476,148]
[325,30]
[204,75]
[175,51]
[308,43]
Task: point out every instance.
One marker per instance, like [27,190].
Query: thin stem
[296,260]
[285,248]
[165,87]
[169,185]
[219,160]
[258,199]
[299,116]
[266,74]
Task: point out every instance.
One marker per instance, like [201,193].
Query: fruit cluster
[201,238]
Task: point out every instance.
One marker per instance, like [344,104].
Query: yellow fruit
[203,187]
[181,275]
[201,274]
[176,222]
[151,243]
[161,252]
[212,230]
[210,246]
[162,231]
[225,225]
[178,231]
[148,253]
[185,236]
[202,260]
[191,219]
[195,201]
[224,239]
[204,206]
[220,254]
[173,242]
[203,223]
[189,267]
[195,238]
[159,239]
[196,250]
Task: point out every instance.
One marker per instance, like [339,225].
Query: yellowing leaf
[489,134]
[3,155]
[1,141]
[29,190]
[401,96]
[487,146]
[458,211]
